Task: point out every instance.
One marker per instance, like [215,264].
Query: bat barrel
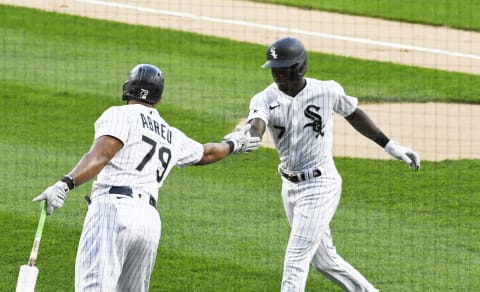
[27,278]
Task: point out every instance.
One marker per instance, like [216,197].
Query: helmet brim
[279,64]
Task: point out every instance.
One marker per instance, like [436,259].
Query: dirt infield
[436,131]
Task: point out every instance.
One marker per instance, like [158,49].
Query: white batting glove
[55,196]
[403,153]
[252,143]
[242,140]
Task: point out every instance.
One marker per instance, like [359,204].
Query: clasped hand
[242,140]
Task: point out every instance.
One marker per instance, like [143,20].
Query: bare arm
[102,151]
[365,126]
[213,152]
[240,141]
[258,127]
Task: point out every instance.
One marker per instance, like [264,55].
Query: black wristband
[231,144]
[381,140]
[69,181]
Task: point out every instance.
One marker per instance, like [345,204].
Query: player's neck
[295,87]
[133,101]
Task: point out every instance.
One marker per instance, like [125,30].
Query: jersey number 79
[164,155]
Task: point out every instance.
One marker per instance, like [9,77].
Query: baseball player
[133,151]
[299,111]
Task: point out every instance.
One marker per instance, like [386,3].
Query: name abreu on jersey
[157,127]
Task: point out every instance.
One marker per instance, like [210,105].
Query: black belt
[300,178]
[127,191]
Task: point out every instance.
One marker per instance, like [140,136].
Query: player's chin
[282,84]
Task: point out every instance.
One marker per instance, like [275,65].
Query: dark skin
[104,149]
[291,85]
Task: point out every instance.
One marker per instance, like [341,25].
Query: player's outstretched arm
[213,152]
[364,125]
[239,141]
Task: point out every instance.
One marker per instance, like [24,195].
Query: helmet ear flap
[124,96]
[300,69]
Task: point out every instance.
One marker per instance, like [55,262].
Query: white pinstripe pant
[118,245]
[310,206]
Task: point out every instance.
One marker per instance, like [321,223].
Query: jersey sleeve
[112,123]
[258,108]
[344,104]
[190,151]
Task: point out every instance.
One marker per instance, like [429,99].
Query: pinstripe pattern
[118,246]
[299,148]
[120,235]
[129,123]
[302,130]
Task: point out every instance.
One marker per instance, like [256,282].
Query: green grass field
[223,225]
[461,14]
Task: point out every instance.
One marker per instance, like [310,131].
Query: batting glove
[403,153]
[55,196]
[242,141]
[252,143]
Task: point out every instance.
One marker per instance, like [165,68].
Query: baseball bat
[27,277]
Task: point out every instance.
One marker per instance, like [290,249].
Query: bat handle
[33,255]
[38,235]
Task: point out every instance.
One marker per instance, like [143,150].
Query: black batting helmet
[145,83]
[285,53]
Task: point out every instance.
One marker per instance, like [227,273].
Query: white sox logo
[143,93]
[311,112]
[273,53]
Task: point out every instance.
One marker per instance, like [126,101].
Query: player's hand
[252,143]
[54,195]
[403,153]
[242,140]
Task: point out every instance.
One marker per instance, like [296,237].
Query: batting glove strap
[69,181]
[231,145]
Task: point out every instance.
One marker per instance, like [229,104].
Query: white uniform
[121,232]
[302,130]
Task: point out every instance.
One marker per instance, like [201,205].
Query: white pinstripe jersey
[150,148]
[302,127]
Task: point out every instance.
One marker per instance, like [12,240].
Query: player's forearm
[213,152]
[365,126]
[88,167]
[258,128]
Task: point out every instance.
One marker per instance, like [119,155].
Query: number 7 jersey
[150,149]
[302,126]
